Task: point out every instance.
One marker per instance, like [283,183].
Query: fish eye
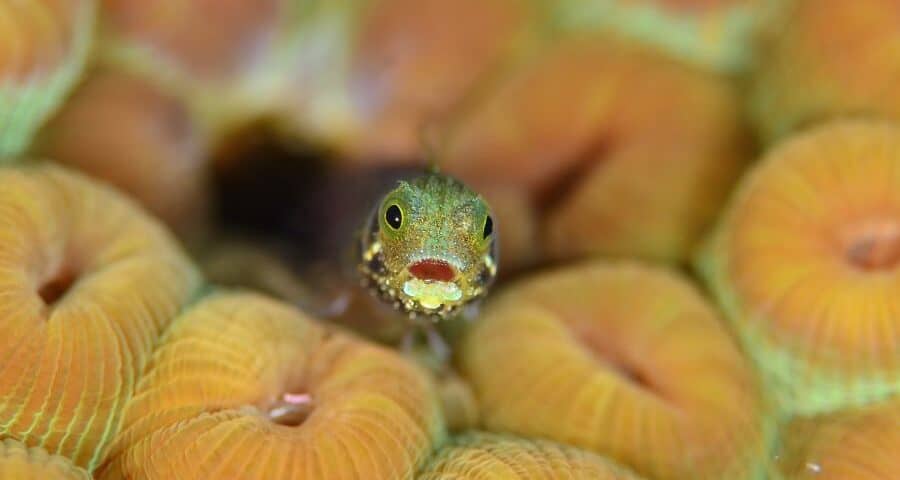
[394,216]
[488,227]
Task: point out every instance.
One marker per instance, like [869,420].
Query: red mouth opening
[431,269]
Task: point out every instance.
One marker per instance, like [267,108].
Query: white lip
[432,294]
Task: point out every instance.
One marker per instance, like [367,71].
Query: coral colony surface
[696,203]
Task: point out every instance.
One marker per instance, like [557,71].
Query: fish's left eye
[488,227]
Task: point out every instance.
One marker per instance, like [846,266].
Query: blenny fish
[422,244]
[429,247]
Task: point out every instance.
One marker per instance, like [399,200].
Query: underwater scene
[450,239]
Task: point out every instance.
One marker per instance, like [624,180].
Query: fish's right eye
[488,228]
[393,216]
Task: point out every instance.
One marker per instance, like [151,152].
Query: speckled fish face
[430,246]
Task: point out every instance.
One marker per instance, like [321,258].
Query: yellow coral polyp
[805,264]
[18,462]
[87,284]
[216,401]
[624,360]
[488,456]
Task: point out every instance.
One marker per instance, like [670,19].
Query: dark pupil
[488,226]
[393,217]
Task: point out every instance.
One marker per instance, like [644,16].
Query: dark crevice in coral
[630,373]
[292,410]
[558,189]
[53,290]
[875,250]
[633,375]
[295,198]
[609,356]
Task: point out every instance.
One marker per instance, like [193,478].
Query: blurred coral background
[698,205]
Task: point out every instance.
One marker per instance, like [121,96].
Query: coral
[415,60]
[168,29]
[115,116]
[860,444]
[624,360]
[87,283]
[22,463]
[503,457]
[611,143]
[44,46]
[828,59]
[228,70]
[715,34]
[377,75]
[458,402]
[244,387]
[593,128]
[805,264]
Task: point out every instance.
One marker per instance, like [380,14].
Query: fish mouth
[433,284]
[433,269]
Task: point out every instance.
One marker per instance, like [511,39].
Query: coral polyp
[857,444]
[223,56]
[488,456]
[87,283]
[806,261]
[607,141]
[168,31]
[663,306]
[454,48]
[245,387]
[114,116]
[827,59]
[19,462]
[43,49]
[626,361]
[458,402]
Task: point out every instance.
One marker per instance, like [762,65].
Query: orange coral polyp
[624,360]
[607,141]
[825,60]
[114,116]
[232,35]
[805,264]
[210,404]
[87,283]
[416,59]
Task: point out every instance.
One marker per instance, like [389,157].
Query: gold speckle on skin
[440,220]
